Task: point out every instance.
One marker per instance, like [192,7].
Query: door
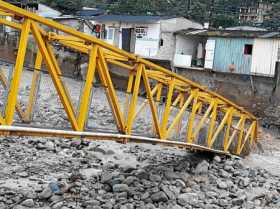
[210,52]
[126,39]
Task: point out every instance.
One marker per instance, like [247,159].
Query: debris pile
[68,174]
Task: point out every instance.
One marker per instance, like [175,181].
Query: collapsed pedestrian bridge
[173,110]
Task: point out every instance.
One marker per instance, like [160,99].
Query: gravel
[163,178]
[61,173]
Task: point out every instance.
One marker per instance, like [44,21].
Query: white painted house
[266,54]
[47,12]
[147,36]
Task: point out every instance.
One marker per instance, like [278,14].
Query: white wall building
[266,54]
[147,36]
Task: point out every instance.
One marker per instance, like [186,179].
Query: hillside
[223,13]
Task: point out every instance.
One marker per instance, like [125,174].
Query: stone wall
[256,94]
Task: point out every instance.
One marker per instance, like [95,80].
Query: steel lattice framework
[230,129]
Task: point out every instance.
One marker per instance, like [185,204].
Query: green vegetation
[218,12]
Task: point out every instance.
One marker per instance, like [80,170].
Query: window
[141,32]
[248,49]
[110,33]
[161,42]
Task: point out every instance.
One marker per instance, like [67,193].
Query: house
[47,12]
[88,12]
[231,51]
[69,20]
[40,9]
[150,37]
[254,12]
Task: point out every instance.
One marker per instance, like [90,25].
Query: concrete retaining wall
[253,93]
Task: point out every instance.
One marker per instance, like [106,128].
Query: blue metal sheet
[231,51]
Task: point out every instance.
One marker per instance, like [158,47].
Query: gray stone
[127,206]
[46,193]
[19,207]
[159,197]
[102,149]
[23,174]
[187,199]
[120,188]
[127,168]
[202,168]
[170,175]
[224,203]
[142,174]
[107,177]
[129,180]
[168,192]
[57,205]
[211,194]
[28,203]
[149,206]
[222,184]
[107,206]
[122,195]
[145,196]
[180,183]
[244,182]
[224,174]
[174,206]
[155,178]
[217,159]
[50,145]
[56,198]
[93,207]
[239,201]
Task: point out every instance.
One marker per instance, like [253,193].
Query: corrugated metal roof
[47,12]
[271,35]
[90,12]
[246,28]
[229,33]
[128,18]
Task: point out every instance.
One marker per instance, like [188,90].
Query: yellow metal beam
[52,67]
[167,108]
[141,107]
[229,123]
[152,104]
[203,119]
[4,82]
[104,73]
[180,114]
[86,95]
[134,99]
[34,87]
[220,128]
[191,120]
[14,87]
[249,133]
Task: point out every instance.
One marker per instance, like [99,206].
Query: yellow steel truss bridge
[174,110]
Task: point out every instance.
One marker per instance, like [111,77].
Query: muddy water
[268,157]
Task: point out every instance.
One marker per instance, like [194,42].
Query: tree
[273,22]
[65,6]
[224,21]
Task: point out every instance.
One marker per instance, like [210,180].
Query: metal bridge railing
[178,111]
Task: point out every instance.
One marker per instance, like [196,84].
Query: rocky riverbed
[52,173]
[62,174]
